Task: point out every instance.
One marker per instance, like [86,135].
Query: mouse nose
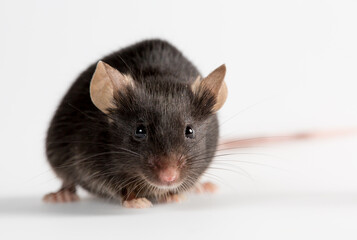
[168,175]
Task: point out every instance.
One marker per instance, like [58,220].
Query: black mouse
[139,126]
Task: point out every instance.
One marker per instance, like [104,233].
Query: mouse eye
[189,132]
[140,132]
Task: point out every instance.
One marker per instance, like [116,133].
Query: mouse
[138,126]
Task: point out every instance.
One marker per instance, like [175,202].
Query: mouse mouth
[163,186]
[167,187]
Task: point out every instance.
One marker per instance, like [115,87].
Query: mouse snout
[168,175]
[166,170]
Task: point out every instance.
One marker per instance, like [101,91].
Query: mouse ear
[214,82]
[106,81]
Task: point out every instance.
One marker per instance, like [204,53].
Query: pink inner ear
[168,175]
[115,76]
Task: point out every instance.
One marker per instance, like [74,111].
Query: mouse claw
[62,196]
[206,187]
[137,203]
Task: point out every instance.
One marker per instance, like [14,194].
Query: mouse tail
[234,143]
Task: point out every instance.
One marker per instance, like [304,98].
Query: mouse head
[164,130]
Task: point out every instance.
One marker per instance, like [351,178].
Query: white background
[291,67]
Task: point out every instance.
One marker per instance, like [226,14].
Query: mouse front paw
[137,203]
[206,187]
[172,198]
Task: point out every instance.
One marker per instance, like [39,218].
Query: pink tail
[226,144]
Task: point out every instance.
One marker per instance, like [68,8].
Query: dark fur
[85,148]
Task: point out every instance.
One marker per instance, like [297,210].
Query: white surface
[291,67]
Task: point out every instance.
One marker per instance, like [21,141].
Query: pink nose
[168,175]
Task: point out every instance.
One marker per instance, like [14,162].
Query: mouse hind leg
[62,159]
[67,193]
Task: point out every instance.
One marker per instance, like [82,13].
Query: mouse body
[139,126]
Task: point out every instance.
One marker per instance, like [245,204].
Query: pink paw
[137,203]
[206,187]
[63,196]
[174,198]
